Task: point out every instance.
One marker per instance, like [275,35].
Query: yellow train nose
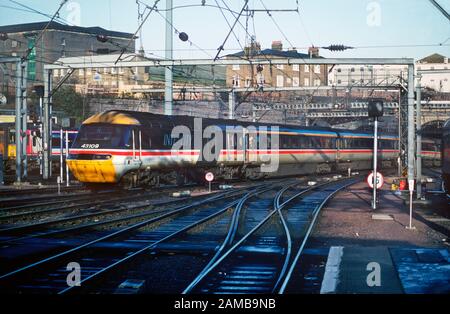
[95,171]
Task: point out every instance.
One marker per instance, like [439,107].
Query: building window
[295,81]
[120,70]
[13,44]
[316,82]
[306,81]
[63,72]
[361,69]
[280,80]
[260,79]
[88,71]
[236,81]
[352,70]
[81,72]
[280,66]
[56,73]
[248,82]
[295,67]
[317,68]
[339,70]
[113,71]
[339,81]
[105,70]
[236,67]
[307,68]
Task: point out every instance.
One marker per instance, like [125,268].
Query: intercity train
[132,148]
[34,145]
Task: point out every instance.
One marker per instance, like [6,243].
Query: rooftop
[38,26]
[434,58]
[273,52]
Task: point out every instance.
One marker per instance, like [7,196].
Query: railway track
[101,254]
[20,215]
[256,237]
[30,191]
[263,260]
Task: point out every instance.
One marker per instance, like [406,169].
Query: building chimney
[277,45]
[313,52]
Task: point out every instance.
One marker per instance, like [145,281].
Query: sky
[377,28]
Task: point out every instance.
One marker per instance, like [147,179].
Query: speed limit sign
[379,180]
[209,176]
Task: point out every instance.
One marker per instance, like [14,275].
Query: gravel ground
[347,220]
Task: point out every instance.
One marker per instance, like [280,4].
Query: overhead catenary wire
[41,33]
[276,25]
[231,29]
[151,9]
[303,25]
[229,25]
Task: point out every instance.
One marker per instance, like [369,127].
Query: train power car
[33,148]
[446,157]
[135,148]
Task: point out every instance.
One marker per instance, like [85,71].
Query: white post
[61,152]
[134,145]
[419,139]
[231,105]
[168,97]
[24,110]
[18,121]
[375,157]
[411,192]
[411,124]
[140,145]
[41,151]
[67,155]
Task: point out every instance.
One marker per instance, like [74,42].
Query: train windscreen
[103,136]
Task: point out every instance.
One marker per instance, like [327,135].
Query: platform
[411,261]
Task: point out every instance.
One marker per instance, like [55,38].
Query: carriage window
[103,136]
[145,140]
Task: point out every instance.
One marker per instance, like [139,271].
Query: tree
[67,100]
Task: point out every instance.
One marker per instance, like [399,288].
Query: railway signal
[375,107]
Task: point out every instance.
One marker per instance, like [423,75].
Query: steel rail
[117,233]
[277,209]
[305,239]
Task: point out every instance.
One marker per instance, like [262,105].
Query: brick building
[57,41]
[295,75]
[435,71]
